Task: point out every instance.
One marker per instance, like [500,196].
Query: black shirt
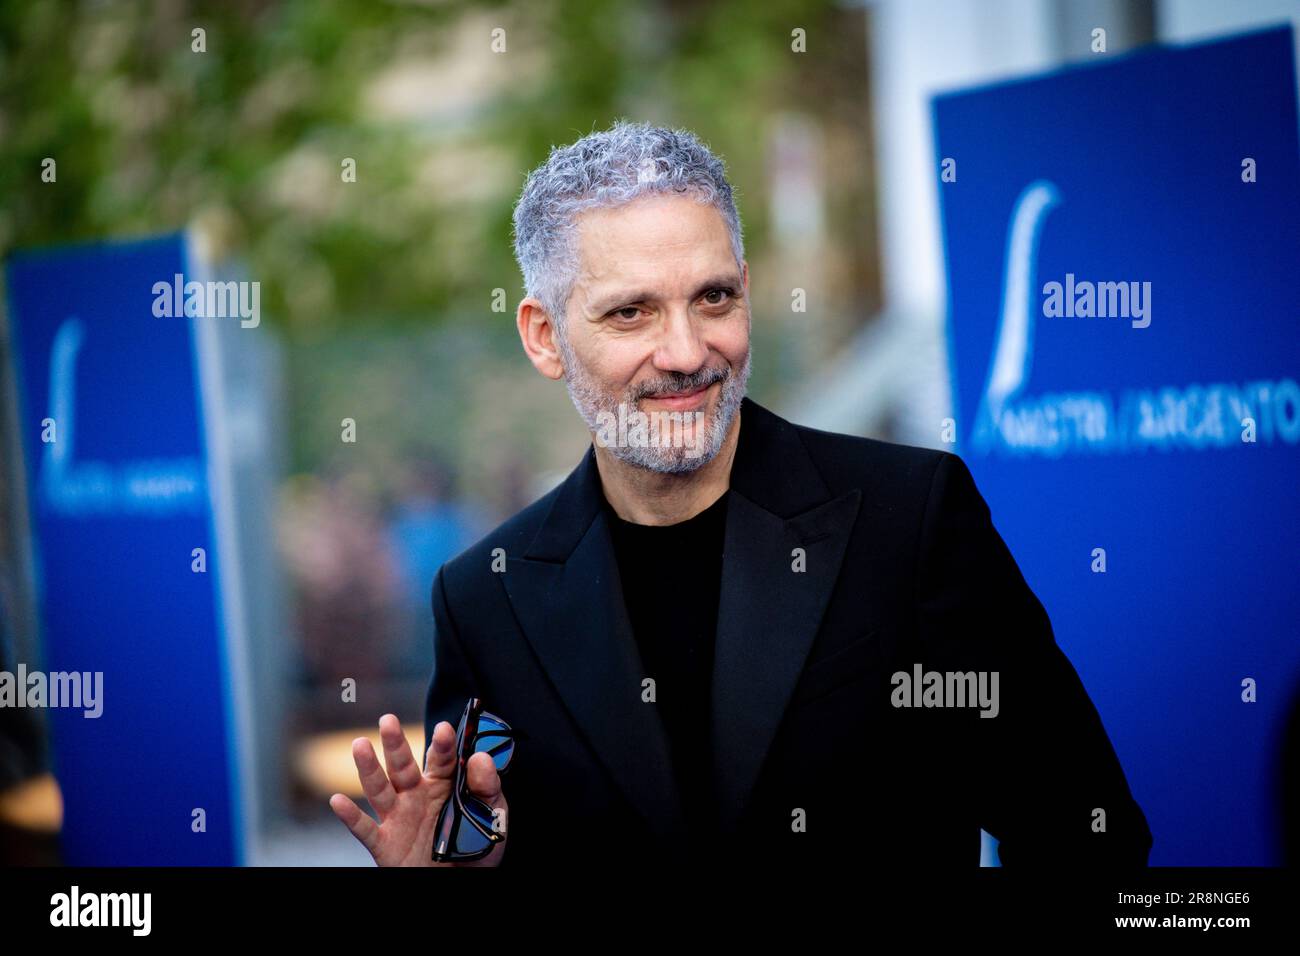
[672,578]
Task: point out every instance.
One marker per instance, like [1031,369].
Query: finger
[485,783]
[374,781]
[362,827]
[403,773]
[440,760]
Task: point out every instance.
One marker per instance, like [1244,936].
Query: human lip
[681,401]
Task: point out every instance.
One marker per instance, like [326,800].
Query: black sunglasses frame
[454,814]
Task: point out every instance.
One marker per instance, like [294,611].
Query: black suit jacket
[812,762]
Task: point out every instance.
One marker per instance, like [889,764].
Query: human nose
[681,346]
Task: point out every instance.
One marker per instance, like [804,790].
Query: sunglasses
[466,828]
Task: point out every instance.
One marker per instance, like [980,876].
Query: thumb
[485,783]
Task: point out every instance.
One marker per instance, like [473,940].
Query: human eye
[622,313]
[727,293]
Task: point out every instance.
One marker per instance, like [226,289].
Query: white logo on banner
[71,487]
[1196,416]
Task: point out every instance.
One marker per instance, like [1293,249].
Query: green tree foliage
[247,138]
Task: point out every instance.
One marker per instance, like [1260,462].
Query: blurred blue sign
[1122,242]
[117,462]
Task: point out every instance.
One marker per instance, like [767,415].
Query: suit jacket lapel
[568,597]
[769,612]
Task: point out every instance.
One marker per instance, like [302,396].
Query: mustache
[675,383]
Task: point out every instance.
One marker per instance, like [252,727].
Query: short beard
[664,458]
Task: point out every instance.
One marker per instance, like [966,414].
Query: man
[740,639]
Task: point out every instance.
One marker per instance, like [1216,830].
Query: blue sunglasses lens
[495,739]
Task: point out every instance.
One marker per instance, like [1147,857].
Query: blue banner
[117,466]
[1122,242]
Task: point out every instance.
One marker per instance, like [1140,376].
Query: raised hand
[408,801]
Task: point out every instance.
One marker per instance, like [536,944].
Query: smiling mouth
[681,400]
[659,396]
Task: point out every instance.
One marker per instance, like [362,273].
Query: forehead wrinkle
[637,239]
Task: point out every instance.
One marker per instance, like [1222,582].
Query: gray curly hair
[607,168]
